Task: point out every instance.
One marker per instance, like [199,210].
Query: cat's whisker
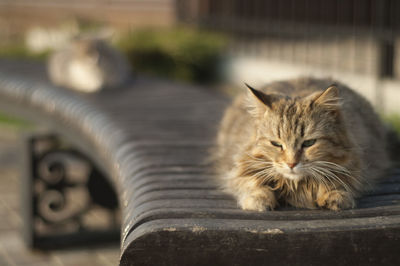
[257,160]
[264,176]
[326,173]
[340,170]
[318,178]
[329,174]
[350,176]
[263,172]
[336,168]
[260,171]
[256,165]
[326,181]
[331,164]
[267,178]
[330,181]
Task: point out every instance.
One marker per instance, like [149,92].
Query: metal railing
[307,22]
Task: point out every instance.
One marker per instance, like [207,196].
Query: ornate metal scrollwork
[71,201]
[64,176]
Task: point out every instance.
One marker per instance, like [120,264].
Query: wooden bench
[151,139]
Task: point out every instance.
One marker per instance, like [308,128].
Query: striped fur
[347,157]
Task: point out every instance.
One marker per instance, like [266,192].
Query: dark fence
[309,22]
[343,16]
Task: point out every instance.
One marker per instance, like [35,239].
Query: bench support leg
[66,200]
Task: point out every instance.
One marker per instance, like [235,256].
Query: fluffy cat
[302,142]
[88,65]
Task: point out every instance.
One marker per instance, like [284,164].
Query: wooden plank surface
[153,138]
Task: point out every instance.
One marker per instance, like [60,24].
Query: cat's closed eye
[308,143]
[276,144]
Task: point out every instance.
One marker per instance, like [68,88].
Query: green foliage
[394,121]
[184,54]
[181,53]
[19,50]
[7,120]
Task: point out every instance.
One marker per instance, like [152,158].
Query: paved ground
[12,250]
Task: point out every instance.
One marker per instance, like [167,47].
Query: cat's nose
[292,165]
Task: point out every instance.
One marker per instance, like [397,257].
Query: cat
[302,142]
[88,65]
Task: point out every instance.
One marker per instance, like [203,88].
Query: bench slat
[152,139]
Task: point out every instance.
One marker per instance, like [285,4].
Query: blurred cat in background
[88,65]
[302,142]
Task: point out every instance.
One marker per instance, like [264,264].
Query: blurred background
[218,44]
[225,42]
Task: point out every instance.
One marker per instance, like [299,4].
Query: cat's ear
[259,97]
[329,98]
[258,102]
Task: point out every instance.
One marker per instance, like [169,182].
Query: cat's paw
[336,200]
[260,201]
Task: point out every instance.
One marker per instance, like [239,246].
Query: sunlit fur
[347,158]
[88,65]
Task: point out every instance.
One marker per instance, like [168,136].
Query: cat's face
[300,136]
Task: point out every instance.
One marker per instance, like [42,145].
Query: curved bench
[151,140]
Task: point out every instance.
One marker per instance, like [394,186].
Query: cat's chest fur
[84,75]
